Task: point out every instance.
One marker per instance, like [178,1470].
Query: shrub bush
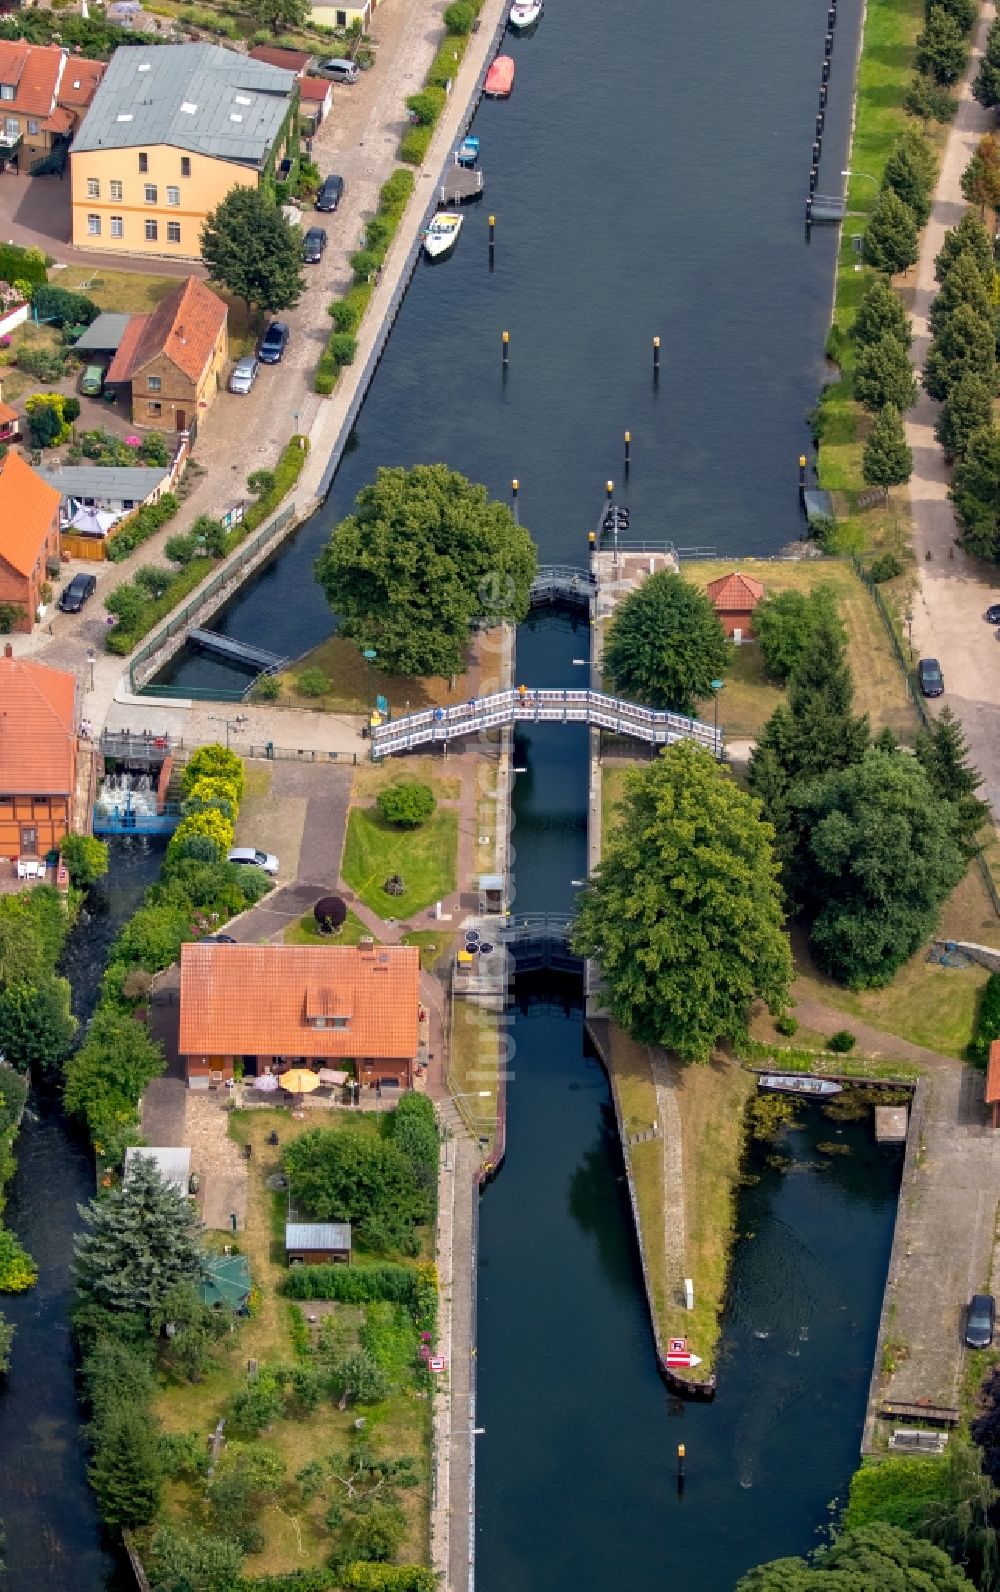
[786,1024]
[364,263]
[407,803]
[326,375]
[459,17]
[45,364]
[312,683]
[842,1041]
[22,265]
[426,105]
[353,1285]
[343,347]
[61,307]
[886,567]
[447,61]
[150,519]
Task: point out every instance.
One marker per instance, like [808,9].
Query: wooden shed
[993,1081]
[318,1243]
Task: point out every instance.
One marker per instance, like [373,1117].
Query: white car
[248,856]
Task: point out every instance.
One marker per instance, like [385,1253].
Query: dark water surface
[576,1474]
[648,177]
[53,1535]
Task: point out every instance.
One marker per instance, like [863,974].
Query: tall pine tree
[141,1241]
[943,752]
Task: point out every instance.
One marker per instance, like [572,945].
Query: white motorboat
[523,15]
[442,234]
[797,1083]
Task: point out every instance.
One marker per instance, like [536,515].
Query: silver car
[250,857]
[244,374]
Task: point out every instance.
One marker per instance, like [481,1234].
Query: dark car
[980,1321]
[330,194]
[313,245]
[217,939]
[992,614]
[80,588]
[930,677]
[274,342]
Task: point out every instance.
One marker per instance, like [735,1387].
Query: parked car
[313,245]
[331,193]
[274,342]
[992,614]
[336,70]
[243,375]
[92,381]
[217,939]
[930,677]
[248,856]
[980,1321]
[80,589]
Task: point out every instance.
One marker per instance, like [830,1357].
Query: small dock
[461,183]
[241,652]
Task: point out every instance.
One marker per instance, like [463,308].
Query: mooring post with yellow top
[656,361]
[505,350]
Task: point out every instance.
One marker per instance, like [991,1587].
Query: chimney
[8,650]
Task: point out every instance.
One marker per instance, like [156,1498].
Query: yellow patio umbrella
[299,1081]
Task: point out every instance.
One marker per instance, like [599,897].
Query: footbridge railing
[562,583]
[434,726]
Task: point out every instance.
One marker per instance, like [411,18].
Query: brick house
[734,598]
[38,751]
[173,359]
[273,1007]
[29,536]
[43,95]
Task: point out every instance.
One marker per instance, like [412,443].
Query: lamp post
[849,172]
[716,688]
[369,656]
[230,724]
[91,660]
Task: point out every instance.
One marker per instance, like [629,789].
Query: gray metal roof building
[317,1235]
[131,483]
[192,96]
[105,332]
[173,1162]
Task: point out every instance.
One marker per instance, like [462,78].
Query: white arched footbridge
[440,725]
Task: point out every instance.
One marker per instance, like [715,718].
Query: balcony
[10,143]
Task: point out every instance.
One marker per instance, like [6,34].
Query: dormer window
[7,91]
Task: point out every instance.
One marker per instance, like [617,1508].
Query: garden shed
[317,1243]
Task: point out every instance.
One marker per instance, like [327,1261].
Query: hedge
[22,265]
[121,640]
[361,1576]
[346,313]
[150,519]
[987,1022]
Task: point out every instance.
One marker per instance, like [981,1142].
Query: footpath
[954,589]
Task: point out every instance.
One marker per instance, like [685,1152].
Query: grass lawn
[132,292]
[354,684]
[295,1536]
[473,1064]
[370,778]
[434,945]
[748,697]
[426,858]
[307,932]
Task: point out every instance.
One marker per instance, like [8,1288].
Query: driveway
[954,589]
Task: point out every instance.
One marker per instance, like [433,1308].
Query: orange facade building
[38,750]
[29,538]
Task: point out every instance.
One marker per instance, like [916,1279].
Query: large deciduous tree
[425,556]
[141,1242]
[281,16]
[887,459]
[975,492]
[986,87]
[881,852]
[910,172]
[666,644]
[340,1177]
[36,1024]
[981,177]
[891,238]
[942,47]
[877,1556]
[970,235]
[784,623]
[963,283]
[684,913]
[252,250]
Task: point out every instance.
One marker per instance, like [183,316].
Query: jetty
[241,652]
[460,184]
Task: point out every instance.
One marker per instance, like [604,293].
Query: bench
[909,1439]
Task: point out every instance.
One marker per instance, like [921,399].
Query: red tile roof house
[29,537]
[38,755]
[277,1006]
[43,94]
[734,598]
[173,358]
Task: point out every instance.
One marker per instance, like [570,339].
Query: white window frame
[115,189]
[11,127]
[117,226]
[33,129]
[93,187]
[154,383]
[152,231]
[150,193]
[7,91]
[173,232]
[173,195]
[93,225]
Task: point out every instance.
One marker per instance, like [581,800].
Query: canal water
[53,1534]
[576,1468]
[648,177]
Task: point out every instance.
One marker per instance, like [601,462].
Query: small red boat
[500,78]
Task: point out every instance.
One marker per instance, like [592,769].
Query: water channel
[53,1535]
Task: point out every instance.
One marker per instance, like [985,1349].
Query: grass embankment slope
[295,1537]
[884,74]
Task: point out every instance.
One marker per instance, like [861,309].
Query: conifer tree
[963,284]
[975,492]
[881,314]
[971,235]
[967,409]
[986,88]
[943,752]
[883,375]
[887,459]
[965,345]
[126,1472]
[891,239]
[141,1241]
